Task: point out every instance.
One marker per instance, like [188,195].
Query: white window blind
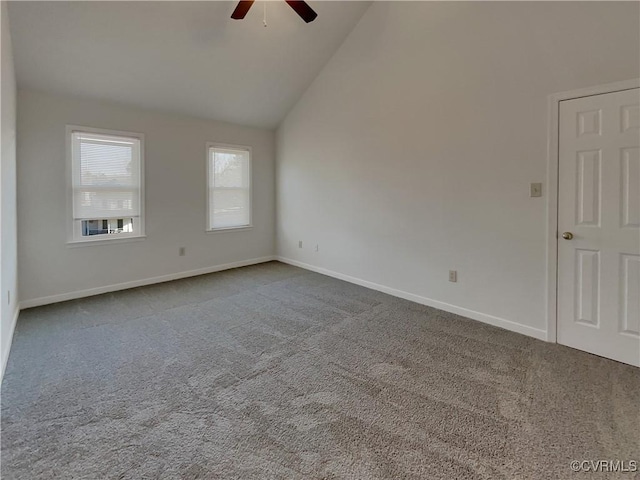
[106,176]
[229,188]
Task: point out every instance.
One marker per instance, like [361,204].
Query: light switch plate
[535,190]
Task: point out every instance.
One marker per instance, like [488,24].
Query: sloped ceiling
[185,57]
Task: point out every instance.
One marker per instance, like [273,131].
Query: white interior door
[599,207]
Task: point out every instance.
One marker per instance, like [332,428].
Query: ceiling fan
[300,7]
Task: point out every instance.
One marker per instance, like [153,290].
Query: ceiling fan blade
[241,10]
[302,9]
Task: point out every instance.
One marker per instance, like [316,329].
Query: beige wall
[8,239]
[175,190]
[412,152]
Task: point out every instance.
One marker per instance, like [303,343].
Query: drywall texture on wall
[8,236]
[175,191]
[412,152]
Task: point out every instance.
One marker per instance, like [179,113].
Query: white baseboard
[36,302]
[5,355]
[465,312]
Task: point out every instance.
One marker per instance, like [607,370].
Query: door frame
[553,164]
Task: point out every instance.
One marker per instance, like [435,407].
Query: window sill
[230,229]
[104,241]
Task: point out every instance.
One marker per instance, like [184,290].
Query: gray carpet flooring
[272,372]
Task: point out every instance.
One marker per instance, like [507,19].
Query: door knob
[567,235]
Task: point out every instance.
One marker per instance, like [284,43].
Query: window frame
[73,237]
[208,227]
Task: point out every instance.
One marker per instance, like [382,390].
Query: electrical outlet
[182,251]
[535,190]
[453,276]
[299,243]
[317,248]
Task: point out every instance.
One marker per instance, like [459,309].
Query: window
[229,187]
[106,184]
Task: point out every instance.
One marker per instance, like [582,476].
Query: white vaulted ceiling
[187,57]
